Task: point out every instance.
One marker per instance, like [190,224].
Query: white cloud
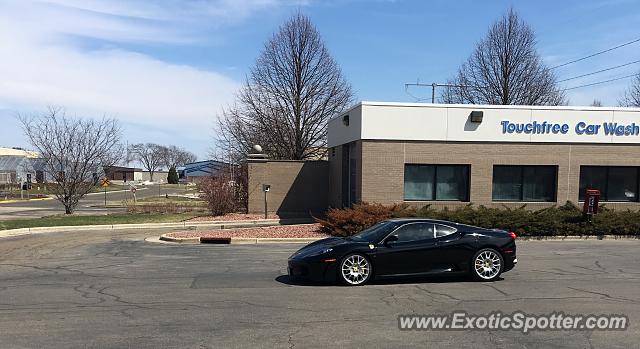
[116,82]
[43,65]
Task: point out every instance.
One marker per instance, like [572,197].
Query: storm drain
[212,240]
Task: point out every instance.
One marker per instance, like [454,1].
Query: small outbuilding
[120,173]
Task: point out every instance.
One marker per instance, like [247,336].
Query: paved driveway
[112,289]
[41,208]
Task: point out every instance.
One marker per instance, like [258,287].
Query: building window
[524,183]
[616,183]
[436,182]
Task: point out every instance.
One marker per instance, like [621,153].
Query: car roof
[435,221]
[418,219]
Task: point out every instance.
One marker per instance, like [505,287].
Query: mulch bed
[233,217]
[281,231]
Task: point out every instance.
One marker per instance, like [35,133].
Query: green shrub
[562,220]
[172,176]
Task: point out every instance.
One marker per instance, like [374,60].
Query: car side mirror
[390,238]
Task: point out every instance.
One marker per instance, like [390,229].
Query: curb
[178,225]
[14,201]
[239,241]
[114,191]
[253,241]
[579,238]
[195,240]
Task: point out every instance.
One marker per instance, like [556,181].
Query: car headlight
[322,251]
[306,253]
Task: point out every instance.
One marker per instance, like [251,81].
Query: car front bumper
[313,270]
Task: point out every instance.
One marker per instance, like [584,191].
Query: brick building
[451,155]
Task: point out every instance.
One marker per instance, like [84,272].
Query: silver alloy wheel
[355,269]
[487,264]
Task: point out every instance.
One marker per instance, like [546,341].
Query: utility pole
[433,93]
[433,89]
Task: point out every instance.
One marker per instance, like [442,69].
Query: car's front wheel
[487,264]
[355,270]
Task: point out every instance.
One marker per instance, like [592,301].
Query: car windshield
[374,233]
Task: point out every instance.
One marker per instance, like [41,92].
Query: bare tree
[73,151]
[631,97]
[596,103]
[505,68]
[173,156]
[150,155]
[291,92]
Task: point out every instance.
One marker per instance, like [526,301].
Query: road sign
[104,182]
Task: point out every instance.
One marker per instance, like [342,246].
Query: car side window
[415,232]
[443,230]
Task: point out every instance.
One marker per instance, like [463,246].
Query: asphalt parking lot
[113,289]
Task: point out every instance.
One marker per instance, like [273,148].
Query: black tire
[359,275]
[484,265]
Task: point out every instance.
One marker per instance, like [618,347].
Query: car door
[453,248]
[409,254]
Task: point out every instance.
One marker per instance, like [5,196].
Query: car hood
[317,247]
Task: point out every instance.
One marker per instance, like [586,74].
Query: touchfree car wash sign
[580,128]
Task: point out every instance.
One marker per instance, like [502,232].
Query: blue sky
[165,68]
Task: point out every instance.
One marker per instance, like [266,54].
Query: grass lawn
[120,218]
[157,201]
[170,200]
[44,189]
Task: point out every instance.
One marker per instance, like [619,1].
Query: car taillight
[513,235]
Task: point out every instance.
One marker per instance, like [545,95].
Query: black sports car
[407,247]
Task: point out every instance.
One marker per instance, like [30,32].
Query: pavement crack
[605,295]
[597,264]
[290,342]
[497,289]
[590,269]
[439,294]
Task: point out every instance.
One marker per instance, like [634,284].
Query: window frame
[604,194]
[435,230]
[434,185]
[522,183]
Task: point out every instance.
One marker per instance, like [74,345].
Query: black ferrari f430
[407,247]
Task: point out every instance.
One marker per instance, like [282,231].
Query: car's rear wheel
[355,270]
[487,265]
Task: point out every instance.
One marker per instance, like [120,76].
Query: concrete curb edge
[177,225]
[245,241]
[241,241]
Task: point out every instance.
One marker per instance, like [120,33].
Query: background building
[454,155]
[191,172]
[450,155]
[16,164]
[124,174]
